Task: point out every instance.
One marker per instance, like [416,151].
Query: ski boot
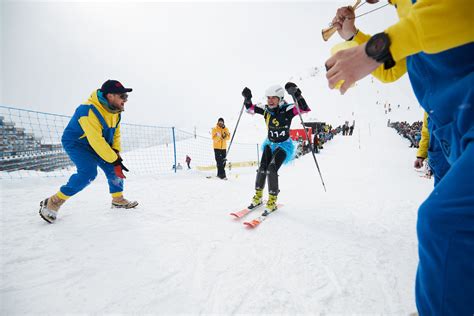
[256,200]
[49,208]
[121,202]
[271,205]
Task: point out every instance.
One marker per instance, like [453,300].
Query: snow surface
[352,250]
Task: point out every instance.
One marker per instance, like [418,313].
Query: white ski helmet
[275,91]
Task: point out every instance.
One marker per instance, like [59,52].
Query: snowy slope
[350,250]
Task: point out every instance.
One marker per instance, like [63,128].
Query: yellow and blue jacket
[430,27]
[434,42]
[437,39]
[382,74]
[95,125]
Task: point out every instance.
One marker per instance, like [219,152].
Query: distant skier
[92,139]
[188,161]
[351,128]
[278,148]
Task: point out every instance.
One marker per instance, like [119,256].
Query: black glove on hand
[119,167]
[117,152]
[293,90]
[247,94]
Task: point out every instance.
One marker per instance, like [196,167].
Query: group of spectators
[412,132]
[348,130]
[322,135]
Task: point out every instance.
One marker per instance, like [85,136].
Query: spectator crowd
[412,132]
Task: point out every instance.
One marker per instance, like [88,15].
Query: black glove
[119,167]
[247,94]
[117,152]
[293,90]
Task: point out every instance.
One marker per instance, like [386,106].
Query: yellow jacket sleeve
[117,143]
[93,131]
[361,37]
[227,134]
[425,139]
[215,134]
[430,26]
[382,74]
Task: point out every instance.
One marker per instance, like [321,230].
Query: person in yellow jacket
[431,149]
[434,42]
[422,152]
[92,139]
[220,136]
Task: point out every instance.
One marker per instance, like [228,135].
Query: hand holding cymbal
[328,32]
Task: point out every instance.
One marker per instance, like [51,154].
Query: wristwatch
[378,48]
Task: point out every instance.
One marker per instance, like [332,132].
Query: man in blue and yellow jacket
[92,139]
[434,43]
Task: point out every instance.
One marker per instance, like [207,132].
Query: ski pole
[291,91]
[233,134]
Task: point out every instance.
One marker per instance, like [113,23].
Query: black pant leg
[278,158]
[262,169]
[220,155]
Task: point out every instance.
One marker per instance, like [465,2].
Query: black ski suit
[278,122]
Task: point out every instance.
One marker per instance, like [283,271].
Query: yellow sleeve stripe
[431,26]
[361,37]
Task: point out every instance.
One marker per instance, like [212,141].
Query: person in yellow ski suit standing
[220,136]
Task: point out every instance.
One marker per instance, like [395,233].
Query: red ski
[245,211]
[258,220]
[255,222]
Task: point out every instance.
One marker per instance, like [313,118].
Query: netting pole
[174,149]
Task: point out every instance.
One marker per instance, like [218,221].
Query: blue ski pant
[87,161]
[436,159]
[438,164]
[445,227]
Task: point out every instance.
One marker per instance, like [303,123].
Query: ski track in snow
[352,250]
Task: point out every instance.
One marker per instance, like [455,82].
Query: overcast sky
[187,62]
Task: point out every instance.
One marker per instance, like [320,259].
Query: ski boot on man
[121,202]
[49,208]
